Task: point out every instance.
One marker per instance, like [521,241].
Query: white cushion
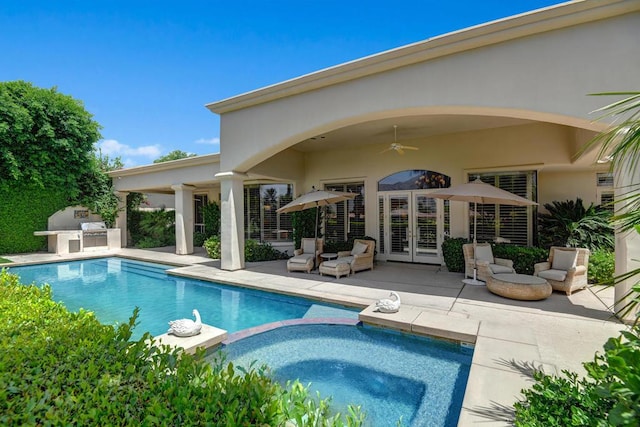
[500,269]
[564,260]
[359,248]
[557,275]
[484,253]
[334,263]
[308,246]
[301,259]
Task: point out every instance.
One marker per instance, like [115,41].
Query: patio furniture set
[339,264]
[565,270]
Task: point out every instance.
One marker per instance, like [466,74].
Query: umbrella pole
[474,281]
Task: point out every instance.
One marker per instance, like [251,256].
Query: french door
[413,226]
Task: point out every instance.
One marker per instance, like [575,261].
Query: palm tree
[621,144]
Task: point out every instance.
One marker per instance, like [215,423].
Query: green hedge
[23,210]
[62,368]
[523,257]
[452,254]
[253,250]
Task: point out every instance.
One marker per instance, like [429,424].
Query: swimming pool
[392,375]
[113,287]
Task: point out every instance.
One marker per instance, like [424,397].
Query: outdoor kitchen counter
[60,241]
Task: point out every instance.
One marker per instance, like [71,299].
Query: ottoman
[335,267]
[519,286]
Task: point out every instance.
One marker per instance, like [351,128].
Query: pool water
[392,376]
[113,287]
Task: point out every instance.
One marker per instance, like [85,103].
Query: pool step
[209,337]
[139,269]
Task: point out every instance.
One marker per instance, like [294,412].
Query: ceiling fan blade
[399,150]
[386,149]
[408,147]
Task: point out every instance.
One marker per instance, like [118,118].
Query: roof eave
[165,166]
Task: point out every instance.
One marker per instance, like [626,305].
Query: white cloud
[113,148]
[208,141]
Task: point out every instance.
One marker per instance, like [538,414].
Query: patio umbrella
[479,192]
[315,199]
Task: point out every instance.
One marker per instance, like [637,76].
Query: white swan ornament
[388,305]
[186,327]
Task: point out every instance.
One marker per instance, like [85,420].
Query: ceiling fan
[395,145]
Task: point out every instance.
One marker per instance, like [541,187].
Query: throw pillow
[564,259]
[359,248]
[484,253]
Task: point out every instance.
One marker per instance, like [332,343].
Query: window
[604,179]
[604,183]
[607,201]
[515,224]
[262,222]
[199,202]
[345,220]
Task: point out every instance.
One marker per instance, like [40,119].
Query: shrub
[303,223]
[602,265]
[523,257]
[153,229]
[560,401]
[62,368]
[452,254]
[198,239]
[255,251]
[212,246]
[569,223]
[608,396]
[211,214]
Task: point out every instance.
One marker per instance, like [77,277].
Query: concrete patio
[511,337]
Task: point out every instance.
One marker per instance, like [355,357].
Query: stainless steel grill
[94,234]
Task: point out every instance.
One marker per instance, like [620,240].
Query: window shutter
[514,224]
[345,220]
[262,221]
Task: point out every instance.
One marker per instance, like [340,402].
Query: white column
[184,218]
[628,243]
[121,220]
[231,220]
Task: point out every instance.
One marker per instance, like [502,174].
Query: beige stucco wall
[546,77]
[544,147]
[561,186]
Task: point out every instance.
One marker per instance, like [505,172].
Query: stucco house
[505,101]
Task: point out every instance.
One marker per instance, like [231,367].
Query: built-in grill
[94,233]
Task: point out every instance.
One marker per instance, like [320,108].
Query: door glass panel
[426,220]
[398,224]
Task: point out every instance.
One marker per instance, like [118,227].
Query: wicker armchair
[305,258]
[486,263]
[361,256]
[566,270]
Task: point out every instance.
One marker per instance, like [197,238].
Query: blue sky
[145,69]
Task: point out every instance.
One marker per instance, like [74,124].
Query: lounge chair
[486,263]
[306,258]
[360,257]
[566,270]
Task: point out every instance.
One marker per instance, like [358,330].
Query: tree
[46,138]
[174,155]
[46,148]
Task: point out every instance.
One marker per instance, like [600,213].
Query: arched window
[414,179]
